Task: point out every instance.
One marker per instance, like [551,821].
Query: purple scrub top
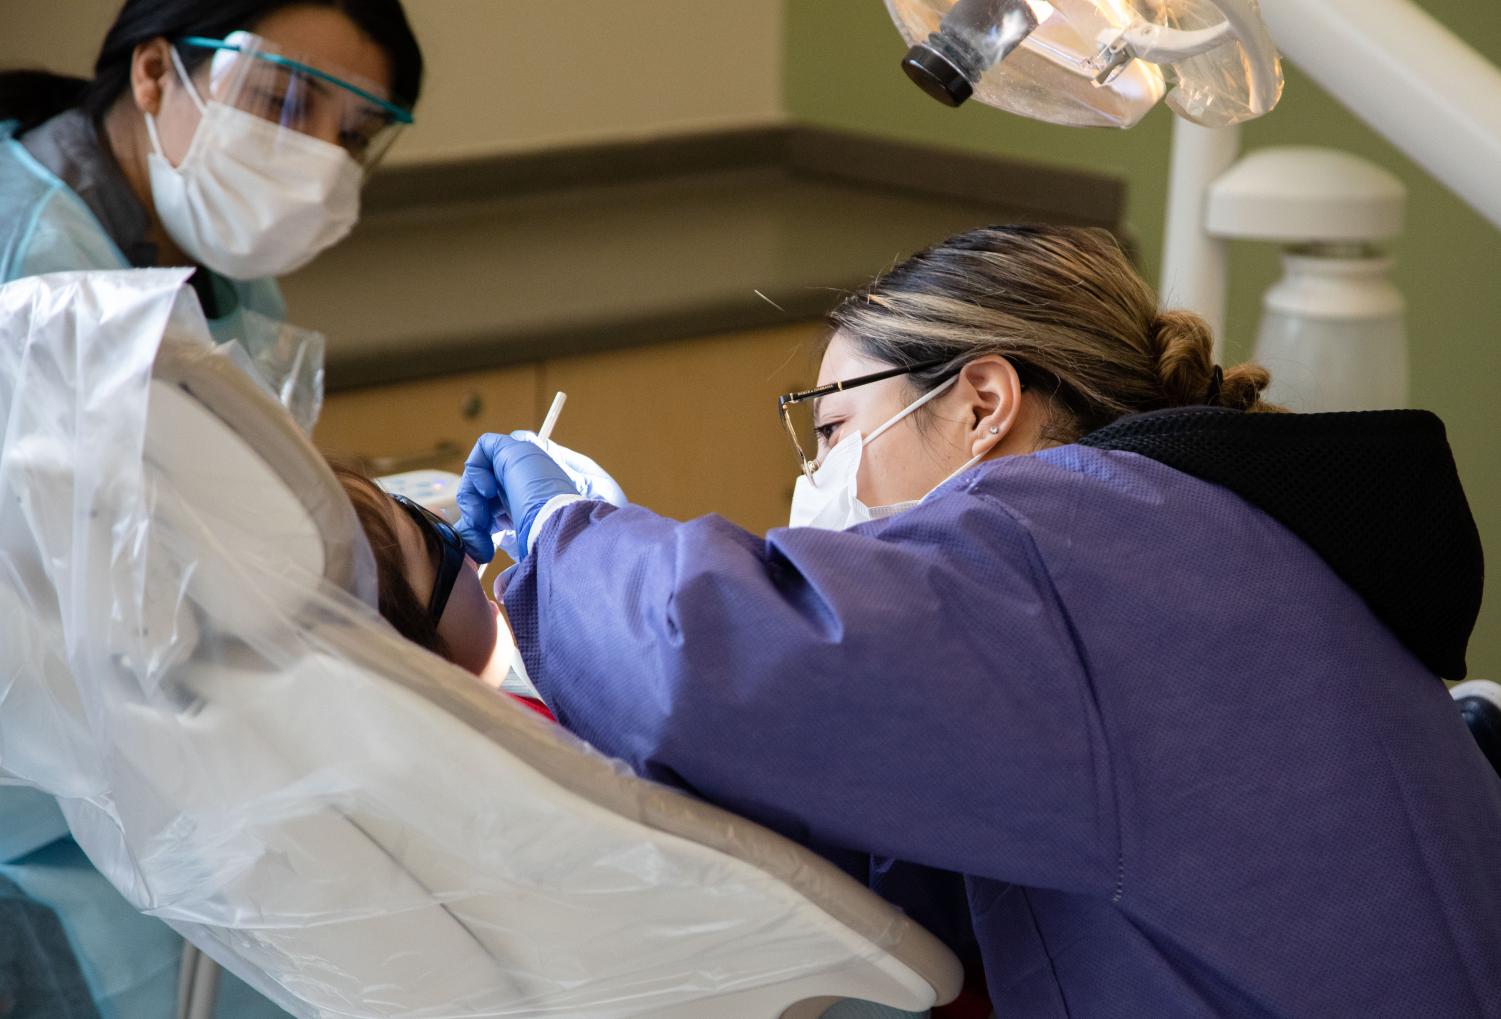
[1147,726]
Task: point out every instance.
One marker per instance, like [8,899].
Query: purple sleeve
[907,688]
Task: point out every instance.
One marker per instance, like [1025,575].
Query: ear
[151,74]
[994,392]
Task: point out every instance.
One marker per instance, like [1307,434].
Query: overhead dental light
[1333,326]
[1094,63]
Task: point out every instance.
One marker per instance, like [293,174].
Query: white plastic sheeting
[190,662]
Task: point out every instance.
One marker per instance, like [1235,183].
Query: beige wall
[523,74]
[58,36]
[496,68]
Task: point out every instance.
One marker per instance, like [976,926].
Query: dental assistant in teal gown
[233,137]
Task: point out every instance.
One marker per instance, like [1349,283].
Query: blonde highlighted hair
[1065,306]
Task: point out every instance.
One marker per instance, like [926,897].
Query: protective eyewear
[787,401]
[450,553]
[251,74]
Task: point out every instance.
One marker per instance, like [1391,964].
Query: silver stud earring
[994,430]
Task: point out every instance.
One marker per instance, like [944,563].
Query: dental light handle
[973,37]
[986,31]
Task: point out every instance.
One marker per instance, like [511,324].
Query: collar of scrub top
[398,113]
[451,548]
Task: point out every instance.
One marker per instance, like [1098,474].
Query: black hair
[32,97]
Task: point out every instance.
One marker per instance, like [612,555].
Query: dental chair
[191,662]
[1479,703]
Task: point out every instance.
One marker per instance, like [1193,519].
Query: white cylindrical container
[1333,334]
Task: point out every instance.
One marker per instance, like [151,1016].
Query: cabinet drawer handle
[441,454]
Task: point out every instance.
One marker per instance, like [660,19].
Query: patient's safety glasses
[451,558]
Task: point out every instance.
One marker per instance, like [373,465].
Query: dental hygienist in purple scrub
[1123,682]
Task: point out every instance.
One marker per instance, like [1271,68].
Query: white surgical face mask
[829,500]
[252,198]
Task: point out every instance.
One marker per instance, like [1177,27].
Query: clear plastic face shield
[253,75]
[1094,63]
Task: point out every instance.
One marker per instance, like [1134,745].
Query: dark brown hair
[402,607]
[1066,306]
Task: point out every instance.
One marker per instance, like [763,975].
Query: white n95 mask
[829,499]
[252,198]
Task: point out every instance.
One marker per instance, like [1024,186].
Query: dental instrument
[550,422]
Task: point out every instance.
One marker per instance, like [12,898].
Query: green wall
[842,71]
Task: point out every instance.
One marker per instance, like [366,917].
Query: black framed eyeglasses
[787,401]
[451,554]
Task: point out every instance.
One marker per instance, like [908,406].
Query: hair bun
[1185,357]
[1242,388]
[1186,370]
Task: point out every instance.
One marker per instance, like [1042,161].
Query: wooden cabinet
[687,428]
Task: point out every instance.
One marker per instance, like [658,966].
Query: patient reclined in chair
[429,589]
[192,662]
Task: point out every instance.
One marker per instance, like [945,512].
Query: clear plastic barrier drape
[190,662]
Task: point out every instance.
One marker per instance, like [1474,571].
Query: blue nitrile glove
[591,480]
[506,480]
